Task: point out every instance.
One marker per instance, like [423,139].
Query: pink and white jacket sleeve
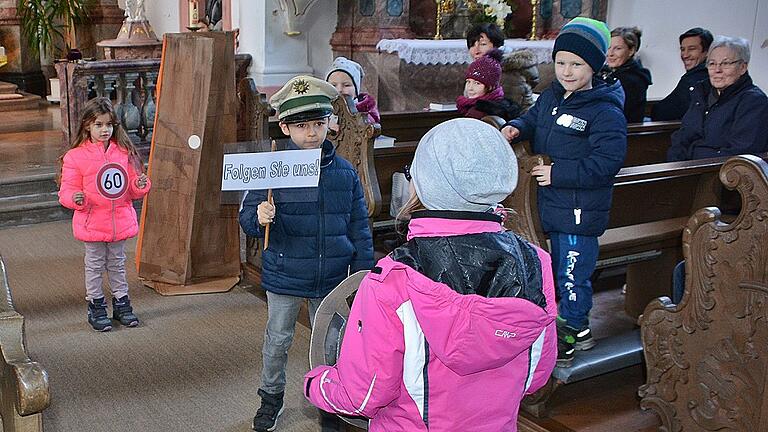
[549,349]
[71,182]
[368,374]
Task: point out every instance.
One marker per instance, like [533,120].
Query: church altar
[412,73]
[454,51]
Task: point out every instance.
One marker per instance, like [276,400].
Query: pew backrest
[252,128]
[354,142]
[707,358]
[24,383]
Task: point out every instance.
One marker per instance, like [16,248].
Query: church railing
[130,84]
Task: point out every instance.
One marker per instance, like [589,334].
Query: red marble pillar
[554,14]
[23,68]
[105,21]
[361,25]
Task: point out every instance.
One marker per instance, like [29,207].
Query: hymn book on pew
[383,141]
[442,106]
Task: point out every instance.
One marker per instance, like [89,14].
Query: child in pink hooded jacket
[101,175]
[451,330]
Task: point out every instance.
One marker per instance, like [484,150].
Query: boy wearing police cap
[317,237]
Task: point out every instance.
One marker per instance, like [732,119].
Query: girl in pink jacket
[451,330]
[101,175]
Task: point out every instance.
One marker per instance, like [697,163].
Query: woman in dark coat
[727,112]
[621,65]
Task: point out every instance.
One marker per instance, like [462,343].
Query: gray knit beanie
[463,164]
[351,68]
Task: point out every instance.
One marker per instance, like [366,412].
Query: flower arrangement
[493,11]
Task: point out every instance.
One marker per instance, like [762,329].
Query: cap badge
[300,86]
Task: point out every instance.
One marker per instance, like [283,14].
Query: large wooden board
[187,237]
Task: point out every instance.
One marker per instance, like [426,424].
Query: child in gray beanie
[463,301]
[463,166]
[347,77]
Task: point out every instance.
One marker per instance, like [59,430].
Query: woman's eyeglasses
[722,64]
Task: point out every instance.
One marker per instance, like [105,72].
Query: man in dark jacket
[726,112]
[694,45]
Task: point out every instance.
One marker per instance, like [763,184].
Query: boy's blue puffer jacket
[318,234]
[585,135]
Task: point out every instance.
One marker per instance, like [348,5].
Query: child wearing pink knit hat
[482,88]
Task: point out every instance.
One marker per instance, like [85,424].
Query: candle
[194,18]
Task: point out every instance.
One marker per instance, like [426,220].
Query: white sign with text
[271,170]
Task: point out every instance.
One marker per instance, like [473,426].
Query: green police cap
[303,98]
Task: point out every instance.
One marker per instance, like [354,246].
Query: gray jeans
[283,310]
[101,257]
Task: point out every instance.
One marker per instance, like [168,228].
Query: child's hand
[510,132]
[266,213]
[78,197]
[333,123]
[543,174]
[141,181]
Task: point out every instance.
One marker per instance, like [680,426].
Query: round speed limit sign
[112,181]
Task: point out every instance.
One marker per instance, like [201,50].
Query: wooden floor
[30,143]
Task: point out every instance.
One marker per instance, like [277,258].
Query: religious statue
[294,13]
[213,12]
[134,11]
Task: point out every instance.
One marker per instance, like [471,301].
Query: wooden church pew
[651,205]
[646,143]
[252,127]
[707,357]
[24,393]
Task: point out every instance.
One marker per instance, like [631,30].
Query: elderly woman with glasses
[727,113]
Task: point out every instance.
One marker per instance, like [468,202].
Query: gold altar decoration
[444,7]
[534,13]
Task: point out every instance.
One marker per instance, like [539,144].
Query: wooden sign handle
[269,200]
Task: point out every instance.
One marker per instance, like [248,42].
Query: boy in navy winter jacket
[317,235]
[579,123]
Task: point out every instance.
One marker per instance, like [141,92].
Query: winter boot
[270,410]
[97,315]
[123,312]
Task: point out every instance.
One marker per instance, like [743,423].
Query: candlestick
[534,20]
[438,20]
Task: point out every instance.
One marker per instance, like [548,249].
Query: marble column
[361,25]
[23,68]
[105,21]
[277,57]
[553,14]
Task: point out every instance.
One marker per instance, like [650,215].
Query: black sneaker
[582,338]
[123,312]
[97,315]
[270,410]
[565,349]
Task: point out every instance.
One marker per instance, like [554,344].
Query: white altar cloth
[454,51]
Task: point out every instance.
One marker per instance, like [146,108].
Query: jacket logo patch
[571,122]
[506,334]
